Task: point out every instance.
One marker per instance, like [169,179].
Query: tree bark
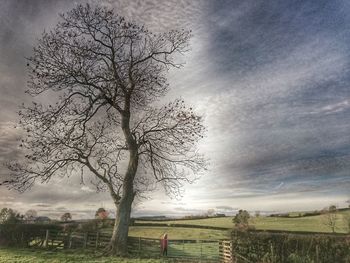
[118,243]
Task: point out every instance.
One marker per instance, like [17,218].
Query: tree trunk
[118,244]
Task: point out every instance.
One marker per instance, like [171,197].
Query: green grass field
[308,224]
[16,255]
[11,255]
[177,233]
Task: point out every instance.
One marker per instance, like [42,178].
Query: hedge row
[259,246]
[186,218]
[23,234]
[307,214]
[180,225]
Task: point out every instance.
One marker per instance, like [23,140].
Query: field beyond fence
[56,239]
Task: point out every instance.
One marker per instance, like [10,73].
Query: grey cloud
[275,77]
[42,205]
[270,78]
[161,15]
[252,33]
[185,209]
[226,208]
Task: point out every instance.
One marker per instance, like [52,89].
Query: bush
[23,234]
[241,220]
[9,216]
[70,227]
[295,258]
[264,246]
[89,226]
[106,223]
[194,217]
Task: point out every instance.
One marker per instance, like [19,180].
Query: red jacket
[164,243]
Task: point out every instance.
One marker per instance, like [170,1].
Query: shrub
[241,220]
[89,226]
[9,216]
[70,227]
[23,234]
[290,247]
[295,258]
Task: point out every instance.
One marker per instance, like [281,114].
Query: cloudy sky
[270,77]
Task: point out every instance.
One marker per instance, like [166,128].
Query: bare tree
[210,212]
[9,216]
[66,217]
[106,76]
[329,217]
[101,213]
[31,214]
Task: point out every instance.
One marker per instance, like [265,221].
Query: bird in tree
[106,76]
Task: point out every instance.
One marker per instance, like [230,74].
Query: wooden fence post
[85,239]
[70,241]
[139,246]
[231,249]
[22,238]
[97,239]
[201,252]
[46,242]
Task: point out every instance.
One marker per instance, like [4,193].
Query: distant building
[220,215]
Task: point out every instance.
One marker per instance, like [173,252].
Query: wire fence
[187,249]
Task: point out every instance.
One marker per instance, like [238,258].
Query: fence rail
[226,252]
[194,250]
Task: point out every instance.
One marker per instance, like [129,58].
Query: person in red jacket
[164,244]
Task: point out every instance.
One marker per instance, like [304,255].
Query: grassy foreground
[12,255]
